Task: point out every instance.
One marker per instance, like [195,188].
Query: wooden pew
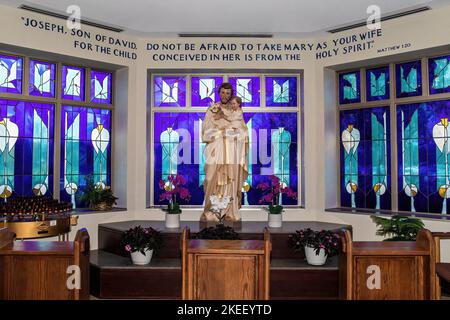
[38,270]
[225,269]
[6,237]
[405,270]
[442,276]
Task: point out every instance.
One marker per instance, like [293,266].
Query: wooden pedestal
[225,269]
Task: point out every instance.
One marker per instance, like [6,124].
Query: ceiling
[282,18]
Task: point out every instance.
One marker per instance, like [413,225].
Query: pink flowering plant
[272,192]
[325,239]
[141,239]
[173,187]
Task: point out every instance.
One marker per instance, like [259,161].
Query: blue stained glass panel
[101,86]
[248,89]
[281,91]
[377,83]
[205,90]
[169,91]
[42,78]
[408,79]
[365,158]
[73,83]
[423,157]
[26,148]
[349,87]
[273,150]
[10,74]
[439,74]
[85,150]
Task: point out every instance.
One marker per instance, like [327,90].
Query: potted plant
[271,194]
[141,243]
[398,228]
[318,245]
[173,187]
[219,232]
[98,196]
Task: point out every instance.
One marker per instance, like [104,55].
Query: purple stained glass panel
[439,74]
[42,78]
[10,74]
[281,91]
[101,86]
[408,79]
[205,90]
[73,83]
[365,158]
[248,89]
[349,87]
[377,84]
[423,171]
[177,148]
[26,166]
[85,150]
[169,91]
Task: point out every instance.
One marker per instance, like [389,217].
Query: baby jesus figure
[232,118]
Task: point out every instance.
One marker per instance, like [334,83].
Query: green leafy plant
[274,209]
[398,228]
[141,239]
[325,239]
[95,195]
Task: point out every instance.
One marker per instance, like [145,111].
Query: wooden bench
[442,269]
[400,270]
[39,270]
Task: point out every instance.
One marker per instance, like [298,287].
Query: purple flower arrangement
[324,239]
[173,187]
[272,193]
[141,239]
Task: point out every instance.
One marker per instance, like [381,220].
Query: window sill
[86,211]
[243,208]
[421,215]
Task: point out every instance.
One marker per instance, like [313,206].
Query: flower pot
[275,220]
[101,206]
[172,220]
[140,259]
[313,258]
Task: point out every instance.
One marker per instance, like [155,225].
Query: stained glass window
[26,148]
[408,79]
[101,86]
[42,78]
[377,83]
[205,90]
[178,149]
[248,89]
[439,74]
[281,91]
[73,83]
[10,74]
[349,87]
[365,158]
[423,157]
[85,150]
[169,91]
